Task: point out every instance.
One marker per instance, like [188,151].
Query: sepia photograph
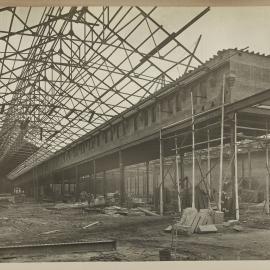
[134,133]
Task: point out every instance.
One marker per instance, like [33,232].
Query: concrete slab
[207,228]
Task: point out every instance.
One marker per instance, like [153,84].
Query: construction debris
[218,217]
[194,221]
[105,258]
[201,229]
[168,229]
[165,254]
[233,222]
[238,228]
[220,227]
[50,232]
[91,224]
[149,213]
[211,228]
[7,198]
[183,229]
[62,206]
[59,248]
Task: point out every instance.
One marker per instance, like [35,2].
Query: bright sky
[221,27]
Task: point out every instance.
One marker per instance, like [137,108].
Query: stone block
[182,229]
[207,228]
[218,217]
[188,216]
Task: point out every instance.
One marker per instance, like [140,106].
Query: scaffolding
[230,121]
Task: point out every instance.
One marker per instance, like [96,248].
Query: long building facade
[133,137]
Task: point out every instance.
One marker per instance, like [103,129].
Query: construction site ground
[139,238]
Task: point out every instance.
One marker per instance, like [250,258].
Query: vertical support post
[52,182]
[104,185]
[89,179]
[122,179]
[147,180]
[182,171]
[232,159]
[36,184]
[161,174]
[94,178]
[177,175]
[236,168]
[267,176]
[249,167]
[208,165]
[138,180]
[154,185]
[77,183]
[221,146]
[193,152]
[243,167]
[62,183]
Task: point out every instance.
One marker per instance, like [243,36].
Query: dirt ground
[139,238]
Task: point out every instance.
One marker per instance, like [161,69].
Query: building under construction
[106,126]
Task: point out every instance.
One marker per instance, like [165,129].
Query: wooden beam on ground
[58,248]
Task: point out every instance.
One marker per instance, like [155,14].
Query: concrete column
[122,179]
[62,183]
[35,184]
[138,180]
[182,169]
[104,185]
[94,178]
[147,180]
[249,168]
[155,186]
[77,183]
[243,167]
[89,179]
[37,189]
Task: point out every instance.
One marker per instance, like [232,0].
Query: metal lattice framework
[66,71]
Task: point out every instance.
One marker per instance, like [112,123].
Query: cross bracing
[66,71]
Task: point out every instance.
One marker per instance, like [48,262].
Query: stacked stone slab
[201,222]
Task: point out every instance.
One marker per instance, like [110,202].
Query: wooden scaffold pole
[193,151]
[161,176]
[236,169]
[177,175]
[267,176]
[208,165]
[221,147]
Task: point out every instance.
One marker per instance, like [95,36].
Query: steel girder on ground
[66,71]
